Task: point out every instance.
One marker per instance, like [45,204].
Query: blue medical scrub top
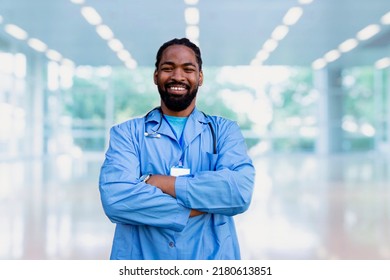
[153,225]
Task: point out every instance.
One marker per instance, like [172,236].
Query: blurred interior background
[307,80]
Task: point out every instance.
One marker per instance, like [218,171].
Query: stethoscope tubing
[155,133]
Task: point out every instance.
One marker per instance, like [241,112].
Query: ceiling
[231,31]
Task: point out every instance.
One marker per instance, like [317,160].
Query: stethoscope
[156,134]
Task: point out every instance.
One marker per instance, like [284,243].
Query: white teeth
[177,88]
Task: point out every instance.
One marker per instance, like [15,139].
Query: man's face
[178,78]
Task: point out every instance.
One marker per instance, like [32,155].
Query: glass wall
[13,104]
[276,107]
[49,108]
[360,109]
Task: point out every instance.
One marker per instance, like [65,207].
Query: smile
[177,88]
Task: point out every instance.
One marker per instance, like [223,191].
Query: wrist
[145,177]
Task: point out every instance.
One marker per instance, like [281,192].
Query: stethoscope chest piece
[152,135]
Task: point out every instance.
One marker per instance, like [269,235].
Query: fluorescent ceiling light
[91,15]
[53,55]
[104,32]
[131,64]
[383,63]
[77,1]
[37,45]
[367,32]
[1,19]
[68,62]
[348,45]
[386,19]
[191,2]
[332,55]
[270,45]
[292,15]
[192,32]
[256,62]
[115,45]
[279,32]
[16,32]
[123,55]
[262,55]
[319,63]
[191,15]
[305,2]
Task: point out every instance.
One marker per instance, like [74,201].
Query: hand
[164,183]
[195,213]
[167,185]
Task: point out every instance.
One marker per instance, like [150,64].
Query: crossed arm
[167,201]
[167,185]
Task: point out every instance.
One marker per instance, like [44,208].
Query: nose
[177,74]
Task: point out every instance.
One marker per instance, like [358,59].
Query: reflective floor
[304,207]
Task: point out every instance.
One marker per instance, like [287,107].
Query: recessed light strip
[385,20]
[291,17]
[305,2]
[36,44]
[91,15]
[16,32]
[382,63]
[368,32]
[192,18]
[79,2]
[191,2]
[104,31]
[348,45]
[53,55]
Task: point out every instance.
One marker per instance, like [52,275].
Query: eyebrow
[184,64]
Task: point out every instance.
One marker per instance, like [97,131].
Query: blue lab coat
[154,225]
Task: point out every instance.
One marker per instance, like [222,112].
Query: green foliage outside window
[283,112]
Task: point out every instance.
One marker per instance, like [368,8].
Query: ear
[200,78]
[155,77]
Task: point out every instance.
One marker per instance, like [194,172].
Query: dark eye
[189,70]
[166,69]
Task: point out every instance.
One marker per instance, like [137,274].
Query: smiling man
[178,75]
[173,180]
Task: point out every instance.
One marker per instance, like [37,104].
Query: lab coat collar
[196,123]
[154,121]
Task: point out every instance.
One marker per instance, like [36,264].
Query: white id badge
[179,171]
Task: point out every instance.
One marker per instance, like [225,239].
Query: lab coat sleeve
[128,200]
[227,190]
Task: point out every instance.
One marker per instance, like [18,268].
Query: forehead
[178,54]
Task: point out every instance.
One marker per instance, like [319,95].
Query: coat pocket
[212,160]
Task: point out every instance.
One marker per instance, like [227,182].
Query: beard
[175,102]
